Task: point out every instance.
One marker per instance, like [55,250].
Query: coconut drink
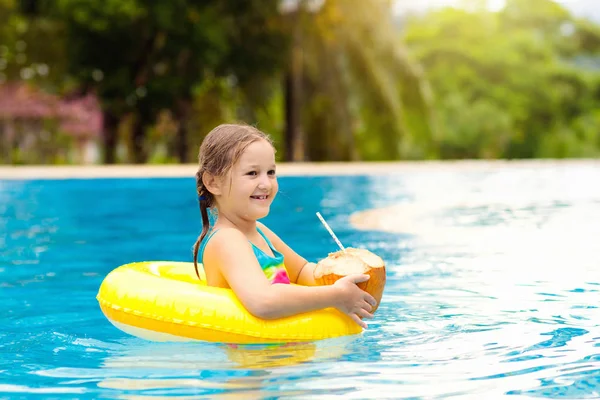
[352,261]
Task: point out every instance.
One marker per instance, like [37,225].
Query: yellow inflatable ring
[165,301]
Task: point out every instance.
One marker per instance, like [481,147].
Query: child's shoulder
[268,232]
[263,227]
[227,235]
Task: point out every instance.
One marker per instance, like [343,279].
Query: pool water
[493,287]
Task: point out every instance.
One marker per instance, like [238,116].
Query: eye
[271,172]
[252,173]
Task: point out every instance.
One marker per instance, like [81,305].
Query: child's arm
[300,270]
[230,252]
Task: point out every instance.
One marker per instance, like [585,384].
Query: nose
[265,183]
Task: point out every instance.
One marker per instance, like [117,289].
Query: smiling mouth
[263,197]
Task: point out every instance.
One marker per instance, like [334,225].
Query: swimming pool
[493,287]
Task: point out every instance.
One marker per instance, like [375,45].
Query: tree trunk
[291,118]
[294,137]
[137,139]
[111,124]
[182,112]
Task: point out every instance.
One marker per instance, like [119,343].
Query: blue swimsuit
[273,267]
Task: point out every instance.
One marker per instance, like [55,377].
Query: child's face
[252,183]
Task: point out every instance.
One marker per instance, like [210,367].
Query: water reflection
[220,370]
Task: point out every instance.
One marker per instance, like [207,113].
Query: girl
[236,177]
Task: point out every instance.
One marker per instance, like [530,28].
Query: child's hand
[354,301]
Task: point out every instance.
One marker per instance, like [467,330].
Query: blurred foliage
[340,81]
[366,98]
[24,54]
[142,57]
[511,84]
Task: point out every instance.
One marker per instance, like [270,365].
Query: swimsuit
[273,267]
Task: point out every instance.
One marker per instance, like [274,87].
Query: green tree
[363,97]
[143,57]
[503,82]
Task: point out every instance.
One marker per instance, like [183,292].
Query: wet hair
[219,151]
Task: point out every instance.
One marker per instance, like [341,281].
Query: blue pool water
[493,288]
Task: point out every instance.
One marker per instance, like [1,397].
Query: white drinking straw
[330,231]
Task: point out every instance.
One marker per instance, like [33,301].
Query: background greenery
[330,80]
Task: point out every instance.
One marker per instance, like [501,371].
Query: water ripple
[492,288]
